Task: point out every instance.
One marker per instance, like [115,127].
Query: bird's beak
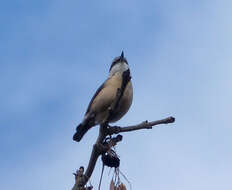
[122,56]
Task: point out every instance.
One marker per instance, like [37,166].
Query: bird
[112,99]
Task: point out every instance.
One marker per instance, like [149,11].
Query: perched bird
[111,101]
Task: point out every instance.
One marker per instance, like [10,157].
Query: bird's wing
[105,95]
[94,96]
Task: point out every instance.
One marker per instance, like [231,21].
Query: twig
[144,125]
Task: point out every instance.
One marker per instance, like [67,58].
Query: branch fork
[100,147]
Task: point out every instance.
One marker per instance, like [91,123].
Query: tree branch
[99,148]
[144,125]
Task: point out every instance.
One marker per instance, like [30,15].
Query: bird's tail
[80,131]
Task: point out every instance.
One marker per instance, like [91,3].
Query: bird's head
[119,64]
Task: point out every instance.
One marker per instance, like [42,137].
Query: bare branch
[100,148]
[143,125]
[95,152]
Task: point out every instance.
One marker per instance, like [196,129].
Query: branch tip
[171,119]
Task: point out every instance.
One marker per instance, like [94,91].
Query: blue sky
[53,56]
